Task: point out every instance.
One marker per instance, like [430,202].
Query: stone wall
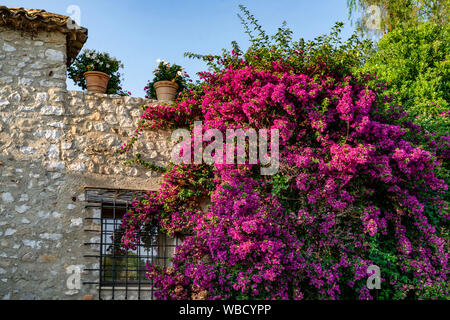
[54,144]
[95,127]
[38,61]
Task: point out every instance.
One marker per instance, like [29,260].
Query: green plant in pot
[167,82]
[97,72]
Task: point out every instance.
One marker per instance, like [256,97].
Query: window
[122,273]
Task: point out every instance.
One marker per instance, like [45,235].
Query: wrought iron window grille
[122,273]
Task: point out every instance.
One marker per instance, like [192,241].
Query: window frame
[113,203]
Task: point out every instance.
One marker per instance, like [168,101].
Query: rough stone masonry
[53,144]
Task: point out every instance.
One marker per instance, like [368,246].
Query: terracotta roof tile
[34,20]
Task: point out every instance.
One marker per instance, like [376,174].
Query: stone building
[63,186]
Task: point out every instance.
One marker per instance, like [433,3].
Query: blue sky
[139,32]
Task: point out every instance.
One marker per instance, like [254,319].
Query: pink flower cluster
[358,192]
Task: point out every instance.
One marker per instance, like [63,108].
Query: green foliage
[415,64]
[123,267]
[91,60]
[327,54]
[394,14]
[146,164]
[435,291]
[167,72]
[280,185]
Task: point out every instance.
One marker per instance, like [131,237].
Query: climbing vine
[356,184]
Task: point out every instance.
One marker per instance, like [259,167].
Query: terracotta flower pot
[96,81]
[166,90]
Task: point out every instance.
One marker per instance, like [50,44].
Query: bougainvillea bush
[354,188]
